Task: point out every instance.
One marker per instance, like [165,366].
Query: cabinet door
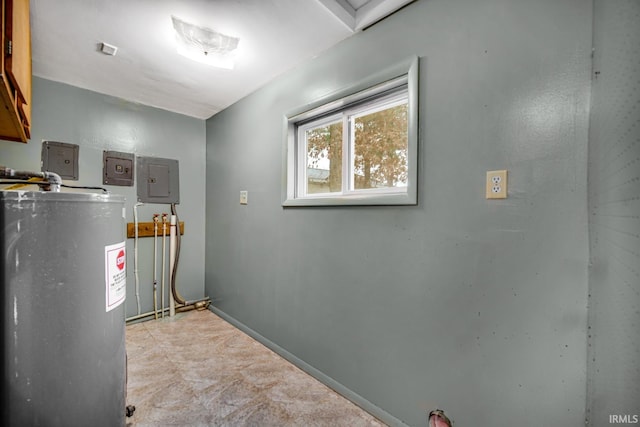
[18,60]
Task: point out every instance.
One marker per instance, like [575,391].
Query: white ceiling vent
[108,49]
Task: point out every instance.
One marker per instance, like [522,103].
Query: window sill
[398,199]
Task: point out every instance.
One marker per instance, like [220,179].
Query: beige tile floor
[195,369]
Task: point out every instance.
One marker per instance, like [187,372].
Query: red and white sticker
[115,274]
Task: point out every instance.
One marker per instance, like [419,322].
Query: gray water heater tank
[63,274]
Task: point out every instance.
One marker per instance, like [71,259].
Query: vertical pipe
[155,266]
[172,255]
[135,253]
[164,257]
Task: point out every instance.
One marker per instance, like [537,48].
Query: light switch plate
[244,197]
[496,187]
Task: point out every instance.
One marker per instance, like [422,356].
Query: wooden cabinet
[15,87]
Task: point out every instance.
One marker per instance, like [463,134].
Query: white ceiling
[275,36]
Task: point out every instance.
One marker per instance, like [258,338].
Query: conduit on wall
[174,264]
[172,254]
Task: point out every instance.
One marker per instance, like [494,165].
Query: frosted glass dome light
[205,45]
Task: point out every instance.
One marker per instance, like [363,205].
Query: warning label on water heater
[116,274]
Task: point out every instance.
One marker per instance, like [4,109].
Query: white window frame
[394,86]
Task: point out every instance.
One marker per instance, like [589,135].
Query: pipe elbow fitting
[55,181]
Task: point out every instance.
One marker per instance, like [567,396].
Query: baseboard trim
[381,414]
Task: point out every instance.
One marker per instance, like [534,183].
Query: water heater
[63,284]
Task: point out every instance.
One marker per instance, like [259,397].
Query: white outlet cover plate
[496,186]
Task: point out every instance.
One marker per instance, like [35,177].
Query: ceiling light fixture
[205,45]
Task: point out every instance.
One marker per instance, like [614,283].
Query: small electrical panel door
[117,168]
[60,158]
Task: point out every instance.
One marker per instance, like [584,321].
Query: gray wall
[97,122]
[614,205]
[475,306]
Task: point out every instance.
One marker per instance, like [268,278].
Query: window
[358,148]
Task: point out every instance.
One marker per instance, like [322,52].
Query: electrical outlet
[496,184]
[244,197]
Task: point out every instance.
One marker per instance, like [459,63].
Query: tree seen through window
[379,152]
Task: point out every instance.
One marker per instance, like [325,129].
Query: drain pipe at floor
[437,418]
[199,304]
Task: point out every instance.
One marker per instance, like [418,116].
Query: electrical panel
[60,158]
[158,180]
[117,168]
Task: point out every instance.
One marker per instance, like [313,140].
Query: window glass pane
[380,149]
[324,158]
